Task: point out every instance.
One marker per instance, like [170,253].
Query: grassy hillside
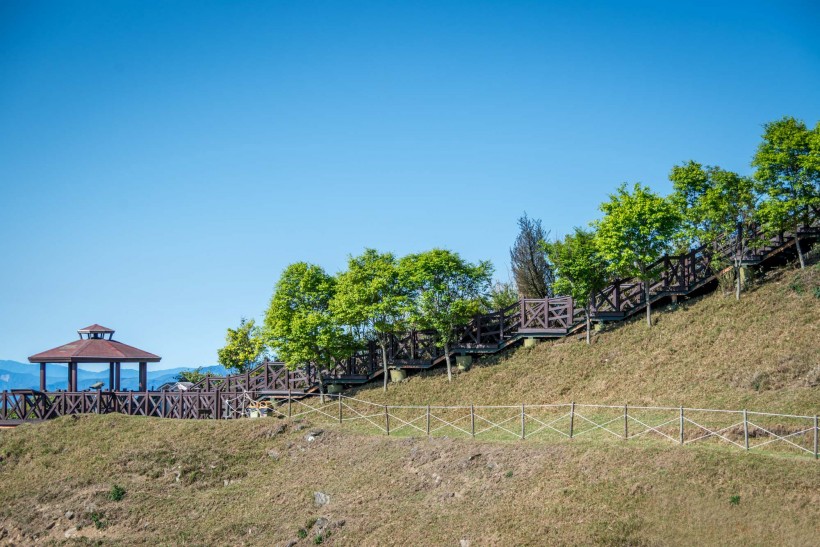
[129,480]
[761,353]
[252,482]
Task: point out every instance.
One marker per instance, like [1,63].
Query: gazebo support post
[72,371]
[42,377]
[143,376]
[111,385]
[117,376]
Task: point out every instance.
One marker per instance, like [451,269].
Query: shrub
[116,493]
[97,519]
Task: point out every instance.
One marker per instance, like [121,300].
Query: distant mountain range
[16,375]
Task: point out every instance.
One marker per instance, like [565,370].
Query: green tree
[580,270]
[787,172]
[636,230]
[502,295]
[194,376]
[244,347]
[299,326]
[447,292]
[717,206]
[370,293]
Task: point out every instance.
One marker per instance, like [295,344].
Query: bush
[97,519]
[116,493]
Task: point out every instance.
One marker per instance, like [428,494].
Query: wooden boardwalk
[679,276]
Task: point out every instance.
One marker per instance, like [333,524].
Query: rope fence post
[428,419]
[681,424]
[816,435]
[626,422]
[523,423]
[745,430]
[340,408]
[386,420]
[571,418]
[290,404]
[472,421]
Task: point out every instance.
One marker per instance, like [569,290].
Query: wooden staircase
[679,276]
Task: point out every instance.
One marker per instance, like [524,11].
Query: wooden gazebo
[96,345]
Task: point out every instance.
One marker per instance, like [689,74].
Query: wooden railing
[29,405]
[674,275]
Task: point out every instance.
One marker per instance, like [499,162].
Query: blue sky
[162,162]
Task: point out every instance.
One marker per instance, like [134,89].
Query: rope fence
[742,429]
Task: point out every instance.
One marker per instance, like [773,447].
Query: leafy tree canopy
[637,229]
[713,202]
[787,165]
[193,376]
[716,206]
[580,271]
[370,294]
[244,347]
[502,295]
[299,326]
[447,292]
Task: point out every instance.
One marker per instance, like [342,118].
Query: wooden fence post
[745,430]
[472,421]
[523,423]
[681,425]
[428,419]
[217,404]
[290,404]
[626,422]
[340,408]
[816,435]
[571,419]
[386,420]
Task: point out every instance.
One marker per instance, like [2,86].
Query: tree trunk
[648,305]
[737,283]
[384,364]
[447,358]
[586,313]
[799,250]
[321,387]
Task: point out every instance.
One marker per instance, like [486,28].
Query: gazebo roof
[95,350]
[95,328]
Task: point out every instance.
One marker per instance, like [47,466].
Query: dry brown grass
[215,483]
[760,353]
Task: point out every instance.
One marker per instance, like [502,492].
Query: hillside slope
[761,353]
[253,482]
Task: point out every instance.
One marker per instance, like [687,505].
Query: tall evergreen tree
[531,271]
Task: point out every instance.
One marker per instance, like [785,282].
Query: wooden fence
[28,405]
[741,429]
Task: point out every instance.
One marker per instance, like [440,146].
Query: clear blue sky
[162,162]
